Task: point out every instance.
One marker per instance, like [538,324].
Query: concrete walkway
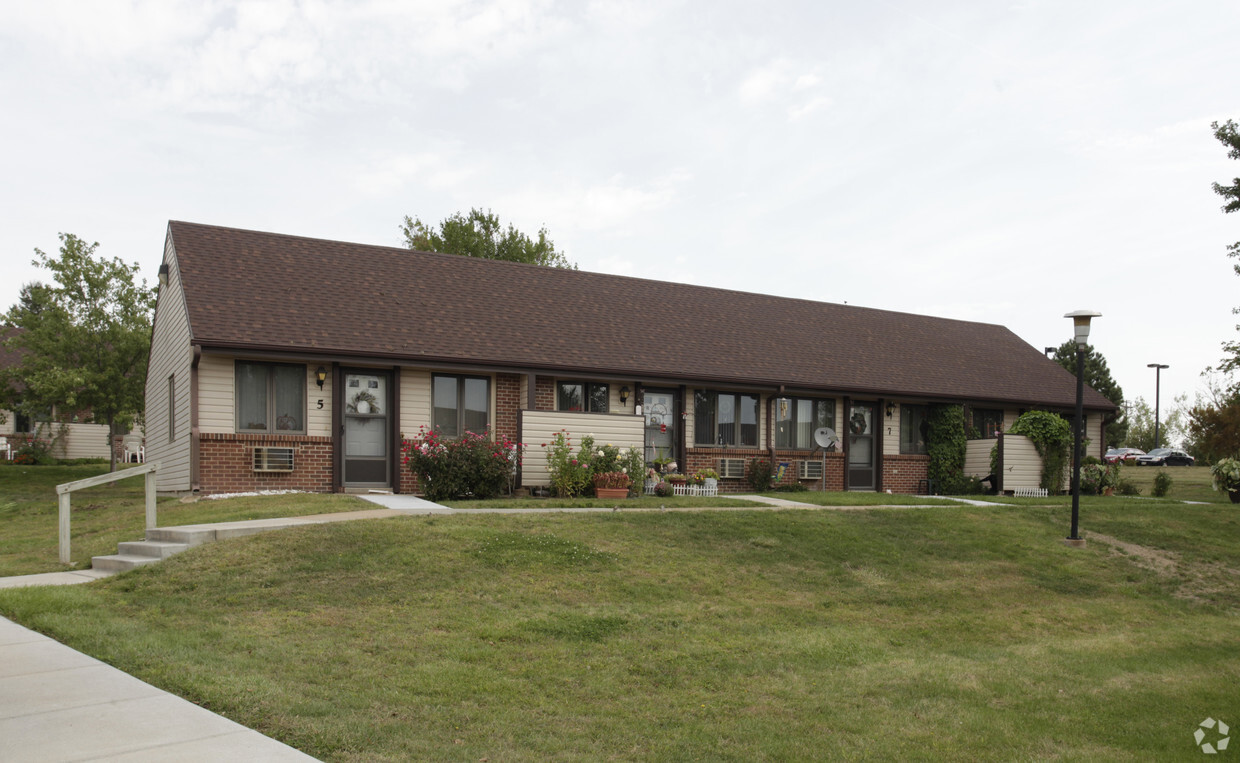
[57,704]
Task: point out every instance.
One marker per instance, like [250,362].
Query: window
[913,428]
[172,408]
[987,422]
[725,418]
[271,397]
[581,396]
[796,419]
[460,404]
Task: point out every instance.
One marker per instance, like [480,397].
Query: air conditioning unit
[731,468]
[273,459]
[809,470]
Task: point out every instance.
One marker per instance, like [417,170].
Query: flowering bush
[663,490]
[1226,473]
[570,474]
[701,475]
[612,480]
[34,452]
[472,466]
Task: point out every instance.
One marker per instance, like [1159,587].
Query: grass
[1188,483]
[929,633]
[102,516]
[638,502]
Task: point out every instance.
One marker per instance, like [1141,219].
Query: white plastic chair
[6,449]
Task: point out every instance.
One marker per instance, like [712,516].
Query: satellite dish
[825,437]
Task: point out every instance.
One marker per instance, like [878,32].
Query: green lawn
[1188,483]
[956,632]
[103,516]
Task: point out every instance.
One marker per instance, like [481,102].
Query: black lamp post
[1158,367]
[1080,322]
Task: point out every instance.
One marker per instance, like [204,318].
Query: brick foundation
[708,458]
[901,474]
[227,465]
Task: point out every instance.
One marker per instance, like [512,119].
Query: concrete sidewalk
[57,704]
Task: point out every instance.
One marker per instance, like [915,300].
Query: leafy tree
[1214,423]
[1171,427]
[480,234]
[1228,134]
[85,338]
[1098,376]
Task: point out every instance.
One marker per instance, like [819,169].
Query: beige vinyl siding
[318,420]
[977,457]
[83,441]
[171,355]
[538,427]
[415,401]
[1022,466]
[890,427]
[9,424]
[216,383]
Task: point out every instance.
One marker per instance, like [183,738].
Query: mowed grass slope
[924,633]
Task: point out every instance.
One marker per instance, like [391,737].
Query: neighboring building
[287,362]
[68,434]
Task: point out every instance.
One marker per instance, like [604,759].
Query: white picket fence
[706,491]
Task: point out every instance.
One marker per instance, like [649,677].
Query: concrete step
[121,562]
[155,548]
[189,536]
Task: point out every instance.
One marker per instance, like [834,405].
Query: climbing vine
[945,444]
[1052,436]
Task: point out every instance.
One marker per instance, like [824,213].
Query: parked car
[1122,454]
[1165,457]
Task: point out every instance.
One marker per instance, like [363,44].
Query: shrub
[35,452]
[795,487]
[759,475]
[1127,488]
[1226,474]
[663,489]
[1162,484]
[471,466]
[945,444]
[570,474]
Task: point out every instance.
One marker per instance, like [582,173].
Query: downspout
[195,469]
[337,430]
[770,425]
[394,433]
[881,410]
[846,440]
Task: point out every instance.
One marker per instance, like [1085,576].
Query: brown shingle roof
[246,289]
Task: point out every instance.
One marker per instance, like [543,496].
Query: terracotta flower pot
[611,492]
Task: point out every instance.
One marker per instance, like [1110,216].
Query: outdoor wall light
[321,376]
[163,274]
[1080,323]
[624,395]
[891,408]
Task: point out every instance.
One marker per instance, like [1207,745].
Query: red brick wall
[708,458]
[227,465]
[901,474]
[507,403]
[544,393]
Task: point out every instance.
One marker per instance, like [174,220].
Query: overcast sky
[1005,163]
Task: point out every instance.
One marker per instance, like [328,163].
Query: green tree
[1098,376]
[1213,430]
[1228,134]
[1171,426]
[480,234]
[85,338]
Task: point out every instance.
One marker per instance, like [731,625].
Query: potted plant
[709,479]
[612,485]
[675,478]
[1226,473]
